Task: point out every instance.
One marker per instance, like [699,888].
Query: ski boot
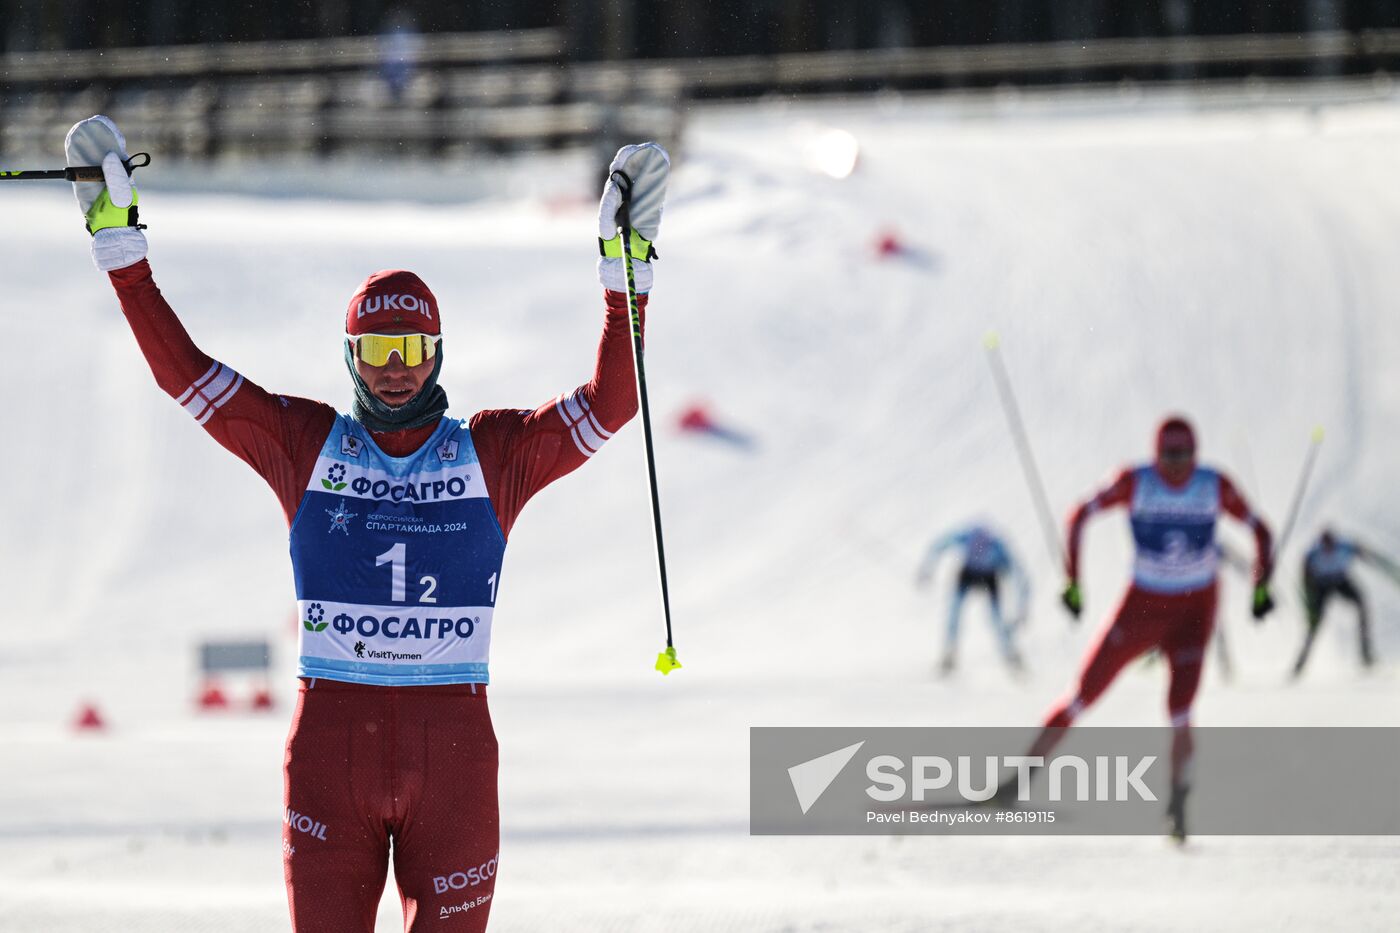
[1176,813]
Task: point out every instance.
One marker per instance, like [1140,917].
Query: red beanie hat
[1175,431]
[392,301]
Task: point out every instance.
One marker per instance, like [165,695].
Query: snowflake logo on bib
[340,519]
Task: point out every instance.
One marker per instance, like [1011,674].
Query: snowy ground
[1237,264]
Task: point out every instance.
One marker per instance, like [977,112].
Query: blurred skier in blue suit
[986,559]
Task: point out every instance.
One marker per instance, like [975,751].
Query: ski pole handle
[624,187]
[74,172]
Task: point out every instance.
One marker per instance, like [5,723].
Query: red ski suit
[373,770]
[1179,624]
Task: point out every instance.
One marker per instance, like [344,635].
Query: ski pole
[1387,566]
[73,172]
[1298,492]
[1023,447]
[665,661]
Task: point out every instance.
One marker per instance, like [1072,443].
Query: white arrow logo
[811,778]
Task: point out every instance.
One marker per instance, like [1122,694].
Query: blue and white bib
[1326,566]
[397,561]
[1174,530]
[983,553]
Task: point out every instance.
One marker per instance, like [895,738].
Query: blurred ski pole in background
[992,342]
[1263,601]
[1298,492]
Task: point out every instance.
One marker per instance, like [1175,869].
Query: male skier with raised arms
[399,517]
[1173,506]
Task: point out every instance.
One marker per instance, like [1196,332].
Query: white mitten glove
[645,166]
[109,208]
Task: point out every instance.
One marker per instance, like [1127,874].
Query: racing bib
[1174,530]
[397,561]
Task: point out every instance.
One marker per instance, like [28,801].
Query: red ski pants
[1178,624]
[380,772]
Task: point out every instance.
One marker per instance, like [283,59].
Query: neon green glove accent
[1072,599]
[666,661]
[104,214]
[1263,602]
[641,248]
